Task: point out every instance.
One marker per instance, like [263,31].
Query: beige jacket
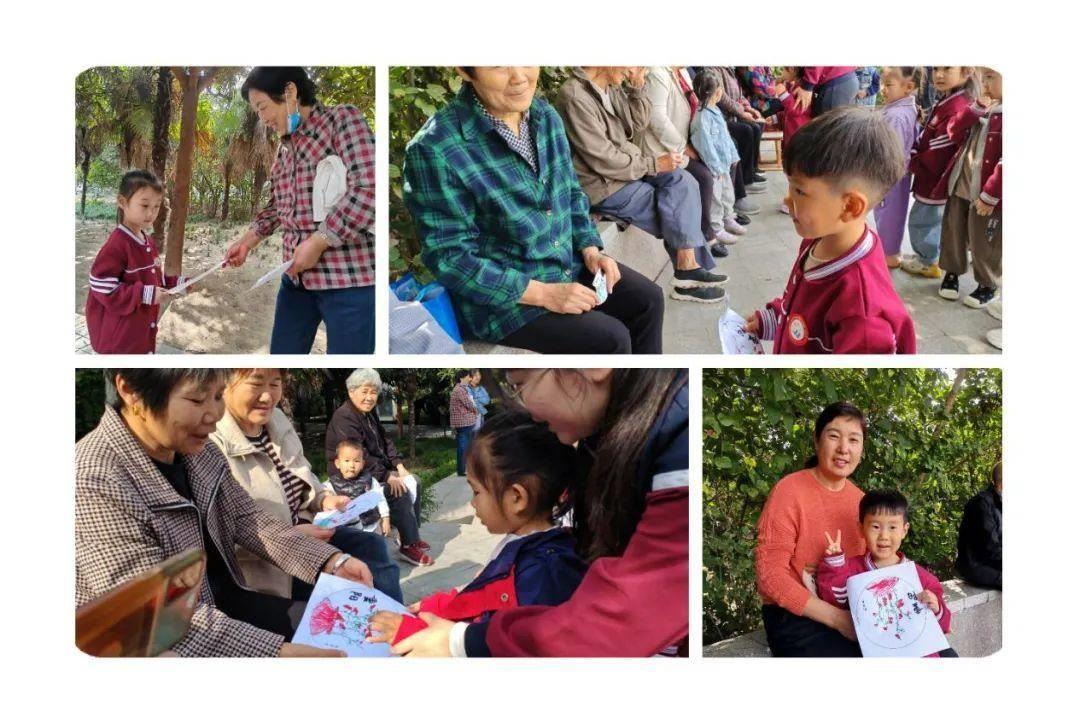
[256,474]
[669,122]
[601,142]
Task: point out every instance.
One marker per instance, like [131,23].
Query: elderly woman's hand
[353,569]
[595,260]
[431,641]
[307,255]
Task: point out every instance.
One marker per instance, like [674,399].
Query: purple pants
[890,216]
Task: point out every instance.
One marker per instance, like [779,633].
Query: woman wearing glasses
[630,518]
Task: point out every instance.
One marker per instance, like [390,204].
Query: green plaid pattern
[487,222]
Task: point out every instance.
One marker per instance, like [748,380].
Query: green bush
[758,427]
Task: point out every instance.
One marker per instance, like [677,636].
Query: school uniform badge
[797,330]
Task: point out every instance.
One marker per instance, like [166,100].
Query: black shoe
[718,250]
[950,287]
[980,297]
[743,219]
[698,278]
[701,295]
[759,178]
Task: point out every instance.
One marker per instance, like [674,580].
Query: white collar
[144,241]
[861,249]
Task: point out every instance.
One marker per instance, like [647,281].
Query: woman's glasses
[515,391]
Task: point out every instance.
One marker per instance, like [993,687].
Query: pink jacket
[815,75]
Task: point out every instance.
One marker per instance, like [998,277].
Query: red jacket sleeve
[930,583]
[435,603]
[632,605]
[107,284]
[767,319]
[832,577]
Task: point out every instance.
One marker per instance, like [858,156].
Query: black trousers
[797,636]
[631,320]
[747,138]
[705,181]
[404,514]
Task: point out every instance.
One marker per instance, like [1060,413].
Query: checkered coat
[128,518]
[350,225]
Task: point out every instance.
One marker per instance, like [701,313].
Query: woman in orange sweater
[791,540]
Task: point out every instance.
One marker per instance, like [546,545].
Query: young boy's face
[349,461]
[894,86]
[818,208]
[884,532]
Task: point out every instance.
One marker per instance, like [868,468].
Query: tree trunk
[958,383]
[228,185]
[192,81]
[412,426]
[159,150]
[256,189]
[85,172]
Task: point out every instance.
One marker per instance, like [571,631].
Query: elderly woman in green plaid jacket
[505,227]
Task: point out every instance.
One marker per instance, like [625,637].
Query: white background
[46,45]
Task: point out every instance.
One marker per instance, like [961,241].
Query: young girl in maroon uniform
[973,212]
[839,297]
[931,161]
[883,520]
[518,472]
[792,116]
[126,280]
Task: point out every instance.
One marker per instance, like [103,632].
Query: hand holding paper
[351,512]
[197,278]
[272,274]
[736,337]
[339,615]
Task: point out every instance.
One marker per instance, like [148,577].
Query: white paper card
[337,616]
[359,504]
[410,485]
[272,274]
[599,283]
[197,278]
[889,618]
[734,339]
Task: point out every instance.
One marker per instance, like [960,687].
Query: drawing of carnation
[324,618]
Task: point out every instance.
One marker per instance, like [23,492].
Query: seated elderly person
[147,486]
[266,457]
[653,193]
[358,421]
[978,547]
[505,227]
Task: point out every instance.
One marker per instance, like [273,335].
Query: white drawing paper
[410,485]
[889,619]
[272,274]
[599,283]
[197,278]
[734,339]
[359,504]
[337,617]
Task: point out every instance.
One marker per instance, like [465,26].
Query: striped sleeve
[107,285]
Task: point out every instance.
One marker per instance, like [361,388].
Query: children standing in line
[711,139]
[126,280]
[518,471]
[973,211]
[899,86]
[792,116]
[839,297]
[883,520]
[957,86]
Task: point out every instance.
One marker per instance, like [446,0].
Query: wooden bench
[775,153]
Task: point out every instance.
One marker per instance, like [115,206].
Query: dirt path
[221,316]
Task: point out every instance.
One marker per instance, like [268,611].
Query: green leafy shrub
[934,435]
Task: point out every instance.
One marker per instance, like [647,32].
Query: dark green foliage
[758,427]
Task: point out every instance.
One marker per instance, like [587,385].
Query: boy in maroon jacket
[839,297]
[884,522]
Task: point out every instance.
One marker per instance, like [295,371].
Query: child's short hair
[134,180]
[848,144]
[915,73]
[890,502]
[705,84]
[513,449]
[354,444]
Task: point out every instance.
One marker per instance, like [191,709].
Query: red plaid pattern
[462,408]
[350,260]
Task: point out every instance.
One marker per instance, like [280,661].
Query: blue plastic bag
[434,297]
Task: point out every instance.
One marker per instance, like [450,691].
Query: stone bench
[642,253]
[976,626]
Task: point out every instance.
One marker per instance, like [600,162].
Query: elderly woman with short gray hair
[358,421]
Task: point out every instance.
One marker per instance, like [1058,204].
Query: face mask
[294,118]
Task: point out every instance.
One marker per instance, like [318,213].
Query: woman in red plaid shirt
[323,198]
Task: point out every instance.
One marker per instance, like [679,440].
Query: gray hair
[361,377]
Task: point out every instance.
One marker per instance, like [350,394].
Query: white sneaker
[994,310]
[723,236]
[734,227]
[994,337]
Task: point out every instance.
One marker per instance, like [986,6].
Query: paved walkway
[460,544]
[759,265]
